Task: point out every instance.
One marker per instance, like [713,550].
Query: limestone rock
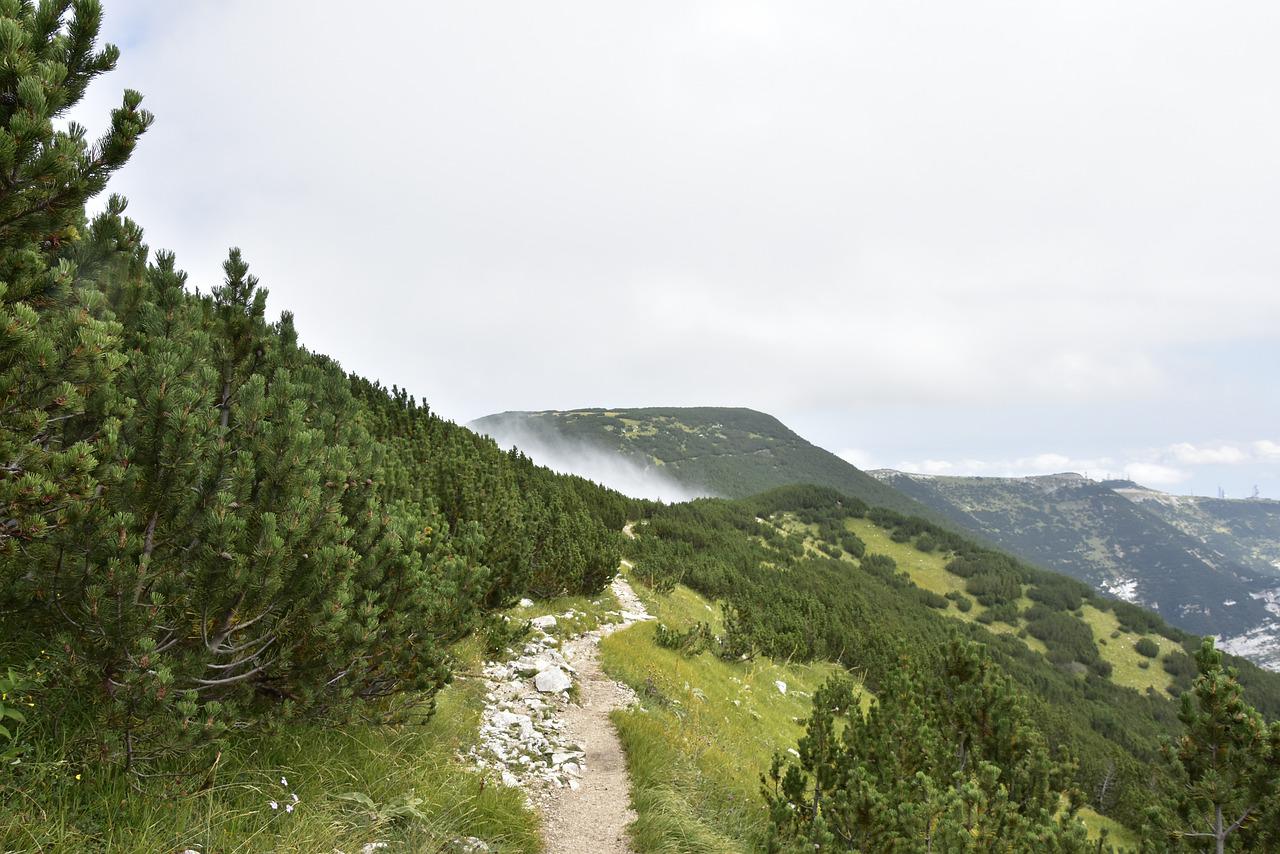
[552,680]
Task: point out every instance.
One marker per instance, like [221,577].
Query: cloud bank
[598,464]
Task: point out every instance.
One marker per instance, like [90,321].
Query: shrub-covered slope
[1175,555]
[807,575]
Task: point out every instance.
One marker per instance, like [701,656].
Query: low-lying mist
[603,466]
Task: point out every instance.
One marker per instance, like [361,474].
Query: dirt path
[592,819]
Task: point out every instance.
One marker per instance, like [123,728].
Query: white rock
[526,603]
[573,769]
[510,780]
[370,847]
[544,623]
[552,680]
[782,686]
[505,719]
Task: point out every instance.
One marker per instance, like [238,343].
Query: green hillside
[724,451]
[1178,556]
[805,575]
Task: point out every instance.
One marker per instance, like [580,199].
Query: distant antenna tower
[1221,494]
[1256,494]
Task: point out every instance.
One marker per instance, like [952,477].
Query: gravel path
[592,819]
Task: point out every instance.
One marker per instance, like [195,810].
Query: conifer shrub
[205,527]
[931,599]
[992,588]
[853,544]
[948,758]
[1147,648]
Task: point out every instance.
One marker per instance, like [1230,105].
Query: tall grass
[704,732]
[354,785]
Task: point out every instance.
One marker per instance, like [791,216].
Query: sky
[984,238]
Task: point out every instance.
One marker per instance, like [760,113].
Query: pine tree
[946,759]
[1227,768]
[56,347]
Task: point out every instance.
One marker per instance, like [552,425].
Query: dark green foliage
[1066,636]
[59,347]
[1059,592]
[1005,612]
[204,526]
[1141,621]
[1225,794]
[1147,647]
[926,543]
[992,588]
[946,759]
[500,633]
[933,600]
[696,639]
[1181,667]
[853,544]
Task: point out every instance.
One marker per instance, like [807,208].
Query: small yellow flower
[77,776]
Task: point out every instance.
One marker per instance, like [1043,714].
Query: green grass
[694,755]
[1118,836]
[928,570]
[1125,660]
[704,733]
[55,805]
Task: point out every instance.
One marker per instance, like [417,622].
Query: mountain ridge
[1169,553]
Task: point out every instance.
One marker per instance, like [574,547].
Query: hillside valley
[1207,566]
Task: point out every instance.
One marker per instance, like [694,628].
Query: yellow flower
[77,776]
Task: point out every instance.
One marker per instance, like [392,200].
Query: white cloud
[1267,450]
[1189,454]
[1154,474]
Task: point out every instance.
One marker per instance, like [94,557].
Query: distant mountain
[720,451]
[1245,531]
[1206,565]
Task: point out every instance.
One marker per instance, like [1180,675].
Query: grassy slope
[1093,533]
[928,571]
[84,809]
[695,757]
[704,733]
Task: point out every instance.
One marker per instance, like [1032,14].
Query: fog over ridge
[605,466]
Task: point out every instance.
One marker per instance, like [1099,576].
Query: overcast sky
[993,238]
